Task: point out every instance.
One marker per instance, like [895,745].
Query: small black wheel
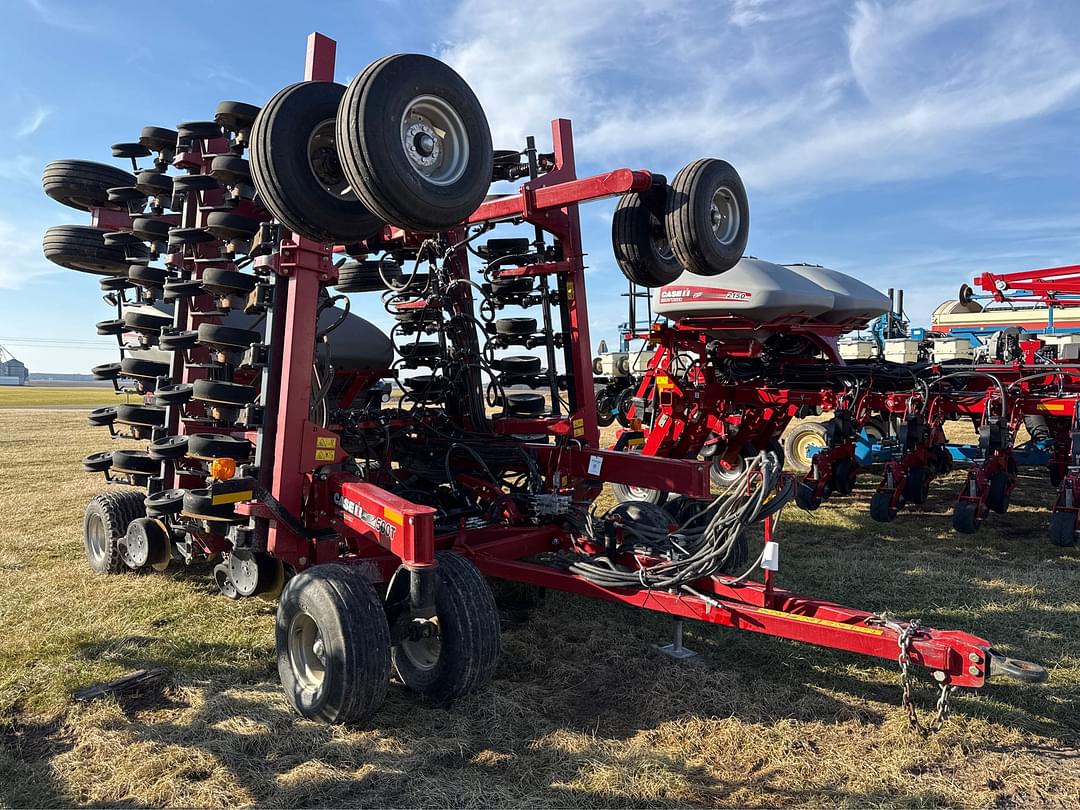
[227,337]
[296,169]
[216,445]
[235,116]
[966,294]
[106,520]
[146,542]
[515,326]
[333,645]
[642,249]
[150,230]
[106,371]
[168,447]
[997,495]
[1063,528]
[622,406]
[231,170]
[154,184]
[807,497]
[222,281]
[180,237]
[123,196]
[178,341]
[605,410]
[129,150]
[843,473]
[801,442]
[80,248]
[97,462]
[145,276]
[364,276]
[456,654]
[223,578]
[135,462]
[174,288]
[158,139]
[115,284]
[625,493]
[187,183]
[165,502]
[138,369]
[224,393]
[416,349]
[100,417]
[708,217]
[173,394]
[414,142]
[524,364]
[83,184]
[966,518]
[199,503]
[144,415]
[252,572]
[525,404]
[228,226]
[147,323]
[881,507]
[199,130]
[917,486]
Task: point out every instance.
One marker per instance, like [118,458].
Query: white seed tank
[753,289]
[853,300]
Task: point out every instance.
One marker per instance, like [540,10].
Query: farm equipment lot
[580,713]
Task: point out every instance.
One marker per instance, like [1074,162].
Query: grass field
[581,713]
[30,396]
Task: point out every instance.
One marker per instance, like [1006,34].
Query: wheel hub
[324,162]
[434,139]
[724,214]
[423,645]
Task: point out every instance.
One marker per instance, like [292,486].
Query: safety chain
[905,634]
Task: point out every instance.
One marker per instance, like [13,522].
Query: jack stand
[676,649]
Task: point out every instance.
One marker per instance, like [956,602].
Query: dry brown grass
[581,712]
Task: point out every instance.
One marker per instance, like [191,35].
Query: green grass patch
[32,396]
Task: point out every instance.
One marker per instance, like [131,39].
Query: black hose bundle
[703,543]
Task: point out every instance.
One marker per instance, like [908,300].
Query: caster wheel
[1063,529]
[881,507]
[966,518]
[806,497]
[917,486]
[223,578]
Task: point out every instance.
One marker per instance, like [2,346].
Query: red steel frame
[374,528]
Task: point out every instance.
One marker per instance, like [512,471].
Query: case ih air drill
[377,516]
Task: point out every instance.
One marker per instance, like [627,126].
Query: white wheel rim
[98,539]
[307,656]
[725,215]
[434,140]
[324,163]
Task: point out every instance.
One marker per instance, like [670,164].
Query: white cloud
[33,121]
[21,261]
[801,97]
[67,19]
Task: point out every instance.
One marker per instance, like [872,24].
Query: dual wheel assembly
[338,642]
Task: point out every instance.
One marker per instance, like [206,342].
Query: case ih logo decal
[381,525]
[675,295]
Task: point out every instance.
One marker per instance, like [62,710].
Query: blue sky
[911,144]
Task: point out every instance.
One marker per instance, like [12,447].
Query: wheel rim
[324,162]
[307,656]
[97,539]
[640,493]
[804,444]
[423,653]
[725,215]
[434,140]
[728,474]
[661,244]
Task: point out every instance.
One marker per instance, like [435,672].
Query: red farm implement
[374,514]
